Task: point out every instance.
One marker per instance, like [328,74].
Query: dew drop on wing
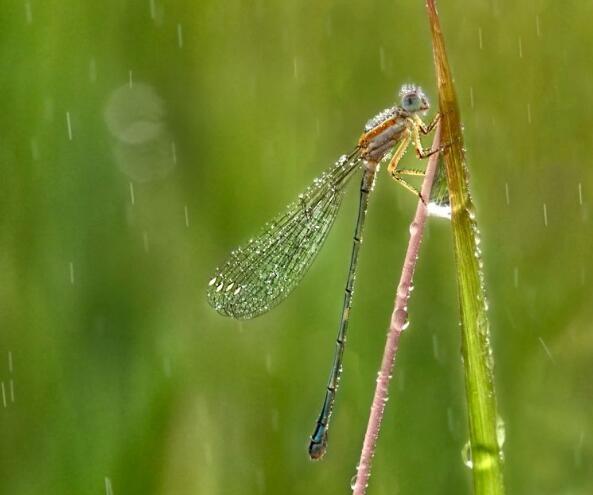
[268,267]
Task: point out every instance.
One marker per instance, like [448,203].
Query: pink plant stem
[399,319]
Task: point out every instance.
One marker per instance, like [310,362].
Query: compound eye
[411,102]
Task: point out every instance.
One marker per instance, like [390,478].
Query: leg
[411,171]
[425,129]
[408,171]
[420,127]
[393,170]
[420,151]
[397,177]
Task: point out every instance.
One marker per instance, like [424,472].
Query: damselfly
[262,273]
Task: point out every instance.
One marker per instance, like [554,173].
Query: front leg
[395,159]
[420,151]
[425,129]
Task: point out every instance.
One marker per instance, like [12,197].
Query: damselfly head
[413,99]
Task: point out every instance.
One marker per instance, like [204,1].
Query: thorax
[377,145]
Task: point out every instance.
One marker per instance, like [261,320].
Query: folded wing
[262,273]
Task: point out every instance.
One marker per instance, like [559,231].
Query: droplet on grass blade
[466,455]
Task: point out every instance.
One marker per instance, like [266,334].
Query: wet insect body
[262,273]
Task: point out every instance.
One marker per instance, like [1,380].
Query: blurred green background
[140,141]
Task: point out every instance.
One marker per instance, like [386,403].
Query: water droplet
[500,433]
[402,291]
[69,125]
[401,317]
[353,481]
[135,117]
[179,36]
[466,455]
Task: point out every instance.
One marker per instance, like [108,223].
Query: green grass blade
[476,349]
